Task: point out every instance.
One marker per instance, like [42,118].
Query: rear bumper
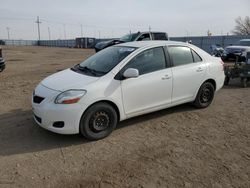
[220,81]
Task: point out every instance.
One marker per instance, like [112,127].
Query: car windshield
[244,43]
[129,37]
[105,60]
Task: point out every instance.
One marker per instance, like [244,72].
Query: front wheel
[98,121]
[205,95]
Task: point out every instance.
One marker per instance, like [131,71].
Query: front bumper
[47,113]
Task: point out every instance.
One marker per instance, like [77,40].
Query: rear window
[160,36]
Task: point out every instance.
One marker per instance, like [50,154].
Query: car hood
[106,43]
[68,79]
[103,44]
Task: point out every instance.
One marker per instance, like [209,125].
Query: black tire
[205,95]
[98,121]
[227,79]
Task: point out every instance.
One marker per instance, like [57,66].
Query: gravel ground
[176,147]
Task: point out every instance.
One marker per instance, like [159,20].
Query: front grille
[37,99]
[38,119]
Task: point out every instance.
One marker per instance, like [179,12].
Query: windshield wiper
[92,71]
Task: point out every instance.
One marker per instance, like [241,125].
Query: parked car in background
[217,50]
[2,42]
[238,51]
[139,36]
[124,81]
[2,63]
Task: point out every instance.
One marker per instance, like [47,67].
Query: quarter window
[197,58]
[148,61]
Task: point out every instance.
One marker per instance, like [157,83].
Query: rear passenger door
[188,73]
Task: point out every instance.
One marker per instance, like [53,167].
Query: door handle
[166,77]
[199,69]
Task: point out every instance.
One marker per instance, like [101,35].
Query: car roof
[142,32]
[141,44]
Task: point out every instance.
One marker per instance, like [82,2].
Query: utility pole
[38,27]
[81,31]
[8,31]
[49,32]
[99,34]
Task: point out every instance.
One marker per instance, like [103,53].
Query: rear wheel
[98,121]
[205,95]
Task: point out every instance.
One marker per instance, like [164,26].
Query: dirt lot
[177,147]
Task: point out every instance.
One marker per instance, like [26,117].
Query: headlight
[70,96]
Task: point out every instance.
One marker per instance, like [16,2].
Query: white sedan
[125,81]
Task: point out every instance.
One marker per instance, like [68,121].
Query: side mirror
[131,73]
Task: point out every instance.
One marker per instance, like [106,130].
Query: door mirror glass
[131,73]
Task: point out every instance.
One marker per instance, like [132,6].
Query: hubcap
[205,95]
[100,121]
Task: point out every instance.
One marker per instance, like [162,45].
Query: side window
[197,58]
[148,61]
[180,55]
[145,36]
[160,36]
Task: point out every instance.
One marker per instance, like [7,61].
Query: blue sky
[114,18]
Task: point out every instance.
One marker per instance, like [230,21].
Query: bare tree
[242,26]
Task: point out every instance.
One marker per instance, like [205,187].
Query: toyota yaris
[124,81]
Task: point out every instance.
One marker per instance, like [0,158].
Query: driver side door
[152,89]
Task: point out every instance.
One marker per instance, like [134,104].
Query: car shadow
[20,134]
